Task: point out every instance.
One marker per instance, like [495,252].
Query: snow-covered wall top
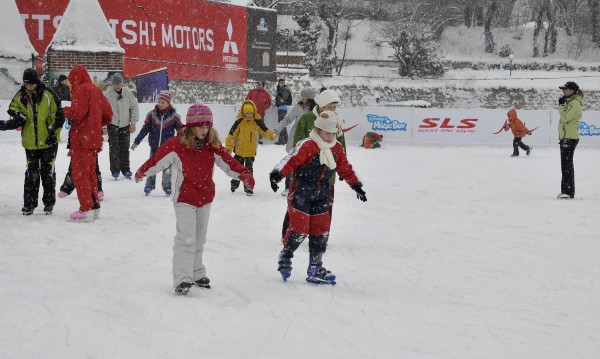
[84,28]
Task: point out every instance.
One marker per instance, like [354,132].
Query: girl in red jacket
[519,131]
[192,156]
[313,161]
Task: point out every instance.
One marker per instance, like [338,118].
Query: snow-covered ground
[460,252]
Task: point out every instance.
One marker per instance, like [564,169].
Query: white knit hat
[329,121]
[326,97]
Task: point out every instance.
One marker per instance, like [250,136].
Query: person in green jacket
[37,111]
[569,108]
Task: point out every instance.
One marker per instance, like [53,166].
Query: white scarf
[326,156]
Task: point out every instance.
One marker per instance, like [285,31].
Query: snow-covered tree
[412,37]
[594,6]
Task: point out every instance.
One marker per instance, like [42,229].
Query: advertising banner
[536,121]
[393,123]
[150,84]
[196,40]
[261,62]
[402,125]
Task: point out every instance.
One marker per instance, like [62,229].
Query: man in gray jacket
[125,115]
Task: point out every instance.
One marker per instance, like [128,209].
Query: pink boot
[80,216]
[100,195]
[62,194]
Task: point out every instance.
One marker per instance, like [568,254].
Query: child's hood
[512,115]
[248,102]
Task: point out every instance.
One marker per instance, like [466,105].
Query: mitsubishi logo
[230,43]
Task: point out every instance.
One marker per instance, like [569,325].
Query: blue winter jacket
[161,125]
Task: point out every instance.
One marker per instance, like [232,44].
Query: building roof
[14,38]
[84,28]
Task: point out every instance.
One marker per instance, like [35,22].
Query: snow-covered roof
[14,38]
[84,28]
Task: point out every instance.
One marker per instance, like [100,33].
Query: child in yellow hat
[243,138]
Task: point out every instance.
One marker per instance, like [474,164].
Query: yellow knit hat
[247,108]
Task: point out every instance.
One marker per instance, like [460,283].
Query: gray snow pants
[192,223]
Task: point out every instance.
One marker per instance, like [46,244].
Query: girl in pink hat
[192,156]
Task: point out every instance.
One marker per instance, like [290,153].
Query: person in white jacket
[306,104]
[125,116]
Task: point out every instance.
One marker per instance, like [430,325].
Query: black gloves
[275,177]
[360,194]
[562,100]
[51,140]
[18,117]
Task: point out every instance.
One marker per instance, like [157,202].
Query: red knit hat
[199,115]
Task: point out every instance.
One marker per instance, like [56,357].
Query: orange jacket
[516,125]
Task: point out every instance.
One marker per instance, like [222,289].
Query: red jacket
[261,98]
[89,111]
[311,178]
[192,169]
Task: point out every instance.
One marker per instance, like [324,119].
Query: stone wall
[364,96]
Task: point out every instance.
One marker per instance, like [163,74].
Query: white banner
[444,126]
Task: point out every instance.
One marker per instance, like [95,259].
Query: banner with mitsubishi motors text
[195,40]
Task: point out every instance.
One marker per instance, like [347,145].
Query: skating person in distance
[161,124]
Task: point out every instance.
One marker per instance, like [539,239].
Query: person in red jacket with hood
[519,131]
[262,100]
[89,111]
[260,97]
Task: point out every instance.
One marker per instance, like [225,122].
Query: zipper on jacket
[162,117]
[34,116]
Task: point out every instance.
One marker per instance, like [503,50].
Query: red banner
[195,40]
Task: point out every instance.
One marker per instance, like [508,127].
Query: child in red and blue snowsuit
[313,161]
[161,124]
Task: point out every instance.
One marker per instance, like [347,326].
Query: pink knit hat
[199,115]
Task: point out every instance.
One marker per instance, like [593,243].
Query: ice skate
[285,264]
[81,216]
[317,274]
[183,288]
[203,283]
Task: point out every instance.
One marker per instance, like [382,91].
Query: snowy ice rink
[460,252]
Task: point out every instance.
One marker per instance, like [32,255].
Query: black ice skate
[183,288]
[203,283]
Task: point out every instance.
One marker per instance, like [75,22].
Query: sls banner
[196,40]
[460,126]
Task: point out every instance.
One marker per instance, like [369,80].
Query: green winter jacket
[43,114]
[305,124]
[570,114]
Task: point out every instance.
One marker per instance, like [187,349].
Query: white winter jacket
[125,109]
[292,117]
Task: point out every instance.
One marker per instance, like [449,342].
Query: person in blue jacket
[161,124]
